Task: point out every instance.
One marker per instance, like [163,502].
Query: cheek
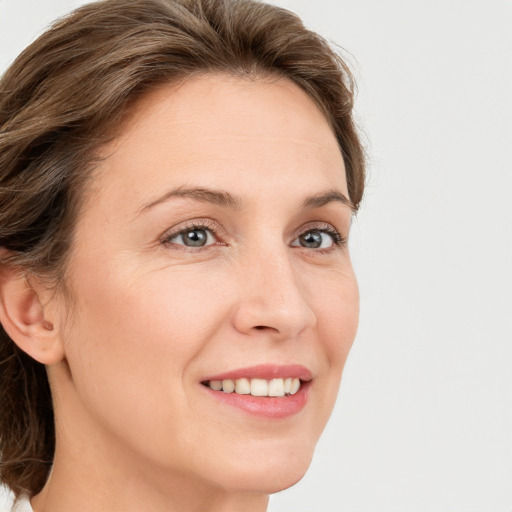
[131,344]
[342,322]
[165,311]
[337,309]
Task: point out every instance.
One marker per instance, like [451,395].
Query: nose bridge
[272,296]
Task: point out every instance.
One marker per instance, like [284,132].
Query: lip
[262,406]
[265,371]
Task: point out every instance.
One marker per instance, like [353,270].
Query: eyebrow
[206,195]
[319,200]
[226,199]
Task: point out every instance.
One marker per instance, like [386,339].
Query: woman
[178,179]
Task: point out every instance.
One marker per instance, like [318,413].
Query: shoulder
[22,504]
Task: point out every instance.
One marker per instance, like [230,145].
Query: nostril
[263,327]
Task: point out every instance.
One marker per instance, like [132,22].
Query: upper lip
[265,371]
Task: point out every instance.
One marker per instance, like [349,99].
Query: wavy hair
[68,93]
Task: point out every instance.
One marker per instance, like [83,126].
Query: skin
[151,317]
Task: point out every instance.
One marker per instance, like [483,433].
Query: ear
[25,318]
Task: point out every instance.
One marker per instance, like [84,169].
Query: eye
[193,236]
[318,239]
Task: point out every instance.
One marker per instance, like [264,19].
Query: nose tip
[277,305]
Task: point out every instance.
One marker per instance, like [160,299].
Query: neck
[79,484]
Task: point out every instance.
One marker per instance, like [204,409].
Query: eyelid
[338,240]
[320,226]
[189,225]
[217,232]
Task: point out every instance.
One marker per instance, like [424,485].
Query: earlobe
[25,319]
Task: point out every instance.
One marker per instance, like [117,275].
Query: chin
[268,482]
[267,474]
[286,479]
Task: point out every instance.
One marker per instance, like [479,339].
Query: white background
[424,419]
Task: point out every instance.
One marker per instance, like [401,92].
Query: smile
[267,391]
[257,387]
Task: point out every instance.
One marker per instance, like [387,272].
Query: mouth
[257,387]
[269,391]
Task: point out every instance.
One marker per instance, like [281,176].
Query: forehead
[223,131]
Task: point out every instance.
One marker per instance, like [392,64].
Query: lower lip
[264,406]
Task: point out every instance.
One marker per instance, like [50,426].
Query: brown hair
[67,92]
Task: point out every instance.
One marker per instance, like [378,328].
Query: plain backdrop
[424,418]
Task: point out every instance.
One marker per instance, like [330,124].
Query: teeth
[294,386]
[243,387]
[216,385]
[257,387]
[228,386]
[276,387]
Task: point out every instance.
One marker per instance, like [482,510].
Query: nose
[273,298]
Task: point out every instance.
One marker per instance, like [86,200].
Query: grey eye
[198,237]
[314,239]
[311,239]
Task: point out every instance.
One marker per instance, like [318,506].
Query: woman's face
[211,246]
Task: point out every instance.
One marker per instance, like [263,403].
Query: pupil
[195,238]
[311,239]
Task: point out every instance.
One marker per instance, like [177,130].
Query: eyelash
[337,239]
[336,236]
[203,225]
